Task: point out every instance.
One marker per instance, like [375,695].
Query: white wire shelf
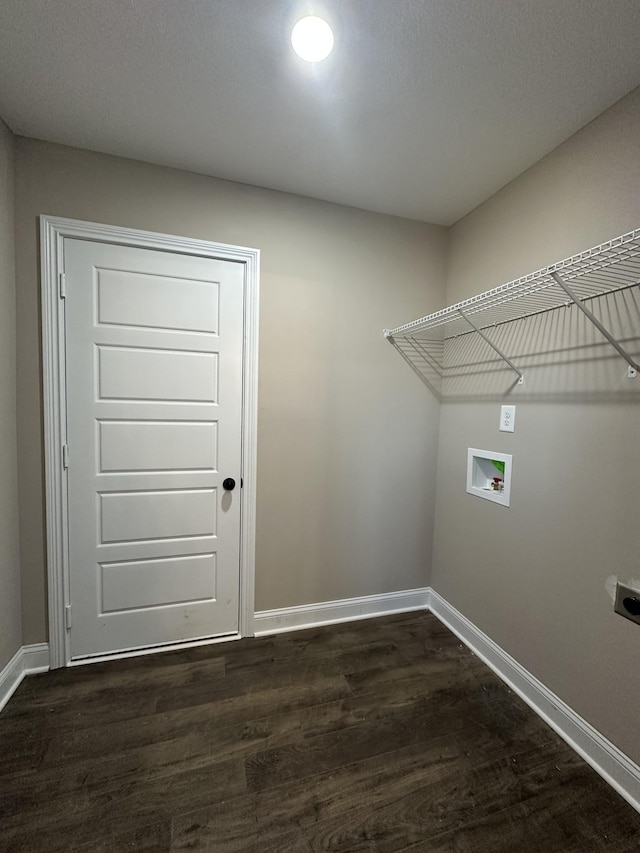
[603,269]
[608,268]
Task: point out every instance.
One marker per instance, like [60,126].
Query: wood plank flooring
[384,735]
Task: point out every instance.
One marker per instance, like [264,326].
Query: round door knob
[229,484]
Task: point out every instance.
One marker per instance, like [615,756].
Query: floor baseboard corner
[607,760]
[26,661]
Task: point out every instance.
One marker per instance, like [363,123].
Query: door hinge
[63,286]
[67,616]
[65,456]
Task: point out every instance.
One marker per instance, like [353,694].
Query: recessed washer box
[489,475]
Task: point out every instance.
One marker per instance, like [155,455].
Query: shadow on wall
[561,354]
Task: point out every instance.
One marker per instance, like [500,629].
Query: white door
[154,408]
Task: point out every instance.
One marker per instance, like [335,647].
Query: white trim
[26,661]
[342,610]
[10,678]
[55,483]
[249,443]
[53,230]
[605,758]
[36,658]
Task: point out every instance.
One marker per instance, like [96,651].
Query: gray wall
[347,440]
[534,576]
[10,626]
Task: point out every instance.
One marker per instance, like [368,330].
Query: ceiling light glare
[312,39]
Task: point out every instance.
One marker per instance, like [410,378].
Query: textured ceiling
[424,109]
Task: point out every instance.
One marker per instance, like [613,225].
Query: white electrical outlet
[507,418]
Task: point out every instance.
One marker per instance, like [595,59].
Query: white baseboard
[605,758]
[27,660]
[343,610]
[10,678]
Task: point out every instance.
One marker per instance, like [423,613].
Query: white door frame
[53,230]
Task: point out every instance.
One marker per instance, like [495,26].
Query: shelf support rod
[493,346]
[592,317]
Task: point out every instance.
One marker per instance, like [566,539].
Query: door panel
[154,406]
[126,516]
[128,446]
[148,583]
[134,299]
[127,373]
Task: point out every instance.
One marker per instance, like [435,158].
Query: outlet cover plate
[507,418]
[628,603]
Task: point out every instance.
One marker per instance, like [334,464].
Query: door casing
[53,231]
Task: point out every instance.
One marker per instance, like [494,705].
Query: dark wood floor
[382,735]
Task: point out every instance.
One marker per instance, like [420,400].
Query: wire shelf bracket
[634,367]
[493,346]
